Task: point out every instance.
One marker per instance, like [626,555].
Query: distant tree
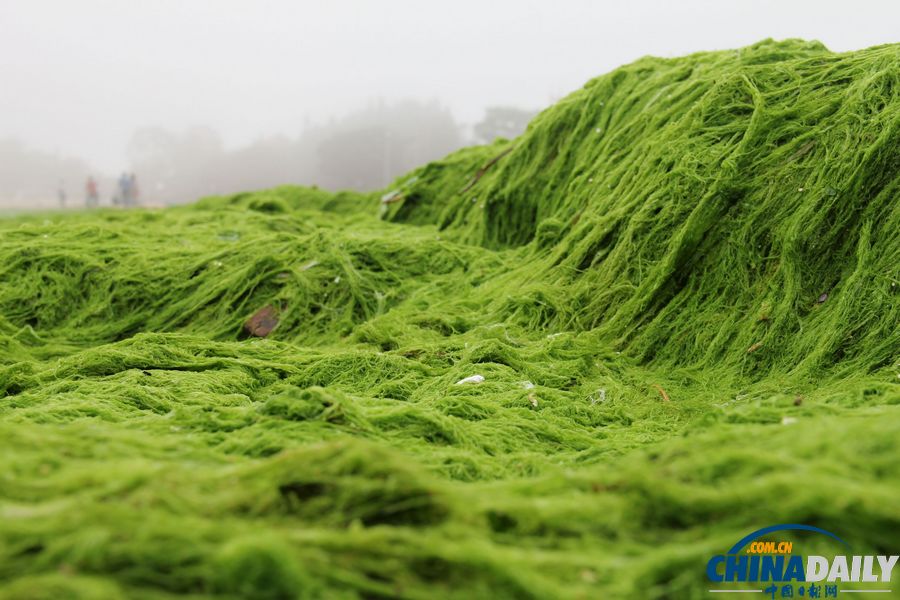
[364,150]
[31,179]
[502,121]
[175,167]
[265,163]
[369,148]
[357,158]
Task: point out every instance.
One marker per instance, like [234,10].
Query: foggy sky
[79,76]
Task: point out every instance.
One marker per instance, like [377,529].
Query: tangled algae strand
[679,289]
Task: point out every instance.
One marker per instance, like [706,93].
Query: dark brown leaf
[262,322]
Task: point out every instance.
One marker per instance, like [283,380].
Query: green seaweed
[680,285]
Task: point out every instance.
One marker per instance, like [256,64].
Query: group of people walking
[127,192]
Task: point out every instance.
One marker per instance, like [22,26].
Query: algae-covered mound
[679,290]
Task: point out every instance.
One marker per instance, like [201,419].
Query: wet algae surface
[680,289]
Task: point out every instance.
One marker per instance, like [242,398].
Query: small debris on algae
[662,392]
[471,379]
[392,196]
[822,298]
[262,322]
[788,420]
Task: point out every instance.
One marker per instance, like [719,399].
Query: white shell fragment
[392,196]
[471,379]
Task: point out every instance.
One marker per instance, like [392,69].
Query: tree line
[364,150]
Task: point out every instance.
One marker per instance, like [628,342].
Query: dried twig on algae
[480,173]
[662,392]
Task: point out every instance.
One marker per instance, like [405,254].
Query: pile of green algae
[681,286]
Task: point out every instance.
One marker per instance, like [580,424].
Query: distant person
[61,193]
[133,188]
[124,189]
[92,197]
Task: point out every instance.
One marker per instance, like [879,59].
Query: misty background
[200,97]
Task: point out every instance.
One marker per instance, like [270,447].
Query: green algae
[681,285]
